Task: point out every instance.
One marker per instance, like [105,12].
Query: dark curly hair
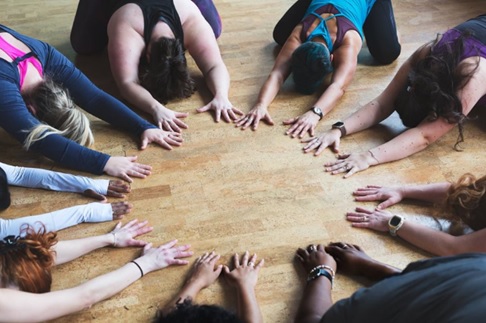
[166,76]
[187,312]
[26,260]
[467,198]
[433,83]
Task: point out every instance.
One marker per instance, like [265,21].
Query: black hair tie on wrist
[141,271]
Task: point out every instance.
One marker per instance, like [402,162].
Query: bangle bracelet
[114,238]
[140,268]
[331,271]
[316,273]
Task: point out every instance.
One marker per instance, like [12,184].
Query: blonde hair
[58,114]
[467,197]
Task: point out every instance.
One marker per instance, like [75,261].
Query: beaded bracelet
[333,274]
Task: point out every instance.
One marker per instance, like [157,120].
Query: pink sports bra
[20,59]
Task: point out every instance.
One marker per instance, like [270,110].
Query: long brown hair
[26,260]
[467,197]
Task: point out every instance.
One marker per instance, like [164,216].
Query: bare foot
[352,260]
[120,209]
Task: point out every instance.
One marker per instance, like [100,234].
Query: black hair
[311,62]
[187,312]
[166,76]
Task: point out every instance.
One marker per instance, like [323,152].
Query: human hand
[122,167]
[350,163]
[370,219]
[245,273]
[119,209]
[164,256]
[124,236]
[314,256]
[169,120]
[331,138]
[389,195]
[115,189]
[222,107]
[351,259]
[163,138]
[204,272]
[253,118]
[302,124]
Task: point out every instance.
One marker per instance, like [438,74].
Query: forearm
[55,181]
[139,97]
[404,145]
[433,193]
[248,308]
[48,306]
[68,250]
[316,301]
[218,81]
[61,219]
[436,242]
[269,90]
[366,117]
[188,292]
[328,100]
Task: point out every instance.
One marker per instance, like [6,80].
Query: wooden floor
[231,191]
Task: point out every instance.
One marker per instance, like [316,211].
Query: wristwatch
[317,111]
[395,224]
[340,125]
[317,272]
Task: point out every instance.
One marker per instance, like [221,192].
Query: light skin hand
[204,272]
[124,167]
[155,258]
[222,108]
[389,195]
[163,138]
[124,236]
[253,118]
[370,219]
[245,272]
[350,164]
[323,140]
[302,124]
[120,209]
[169,120]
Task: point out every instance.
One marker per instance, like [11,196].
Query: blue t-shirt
[15,117]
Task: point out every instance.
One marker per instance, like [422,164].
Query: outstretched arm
[436,242]
[125,48]
[433,193]
[345,59]
[244,277]
[317,298]
[280,71]
[201,43]
[203,273]
[68,250]
[47,306]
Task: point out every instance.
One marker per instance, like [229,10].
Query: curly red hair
[467,197]
[26,263]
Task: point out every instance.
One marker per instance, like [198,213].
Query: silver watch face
[317,111]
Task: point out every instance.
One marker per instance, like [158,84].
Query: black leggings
[379,29]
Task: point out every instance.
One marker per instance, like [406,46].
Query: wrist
[316,111]
[371,157]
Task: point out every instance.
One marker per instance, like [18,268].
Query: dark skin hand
[352,260]
[116,188]
[314,256]
[120,209]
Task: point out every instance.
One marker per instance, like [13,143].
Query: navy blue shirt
[15,117]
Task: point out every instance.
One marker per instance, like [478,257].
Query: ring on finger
[365,218]
[251,264]
[312,248]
